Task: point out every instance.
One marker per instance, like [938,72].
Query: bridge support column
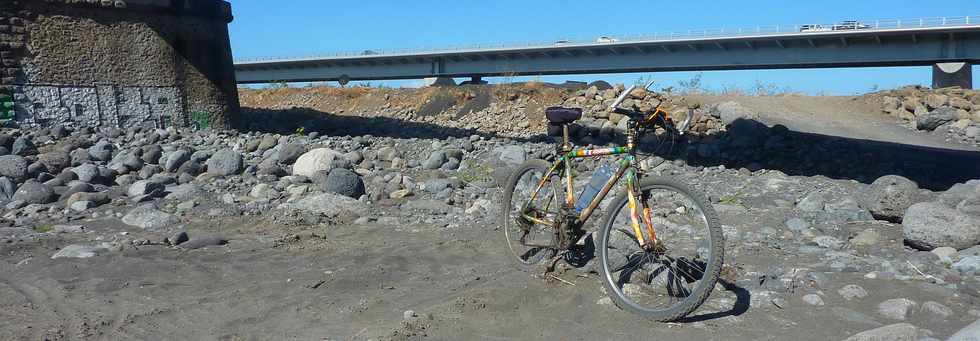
[952,74]
[440,81]
[477,80]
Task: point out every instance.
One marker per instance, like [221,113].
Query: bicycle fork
[651,241]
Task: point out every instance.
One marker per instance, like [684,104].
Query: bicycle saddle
[562,115]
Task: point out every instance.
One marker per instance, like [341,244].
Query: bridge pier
[952,74]
[475,80]
[439,81]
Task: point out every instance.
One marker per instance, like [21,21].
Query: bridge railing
[762,30]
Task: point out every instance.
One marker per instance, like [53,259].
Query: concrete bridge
[951,45]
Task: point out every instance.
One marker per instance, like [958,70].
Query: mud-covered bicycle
[660,247]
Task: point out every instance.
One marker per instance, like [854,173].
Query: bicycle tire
[710,273]
[507,221]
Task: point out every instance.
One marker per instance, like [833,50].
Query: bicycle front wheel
[670,280]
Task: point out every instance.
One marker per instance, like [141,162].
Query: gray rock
[813,299]
[7,188]
[101,151]
[928,225]
[79,251]
[225,162]
[936,310]
[436,185]
[149,218]
[290,152]
[935,118]
[177,238]
[152,154]
[812,202]
[852,291]
[892,332]
[797,225]
[176,159]
[267,142]
[889,197]
[451,164]
[23,146]
[13,167]
[512,155]
[79,156]
[344,182]
[33,192]
[86,172]
[896,308]
[96,199]
[968,333]
[435,160]
[183,192]
[730,111]
[82,205]
[145,187]
[328,204]
[55,161]
[969,265]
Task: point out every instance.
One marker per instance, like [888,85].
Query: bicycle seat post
[566,144]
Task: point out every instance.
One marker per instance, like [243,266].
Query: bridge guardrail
[762,30]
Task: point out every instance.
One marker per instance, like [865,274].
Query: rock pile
[953,110]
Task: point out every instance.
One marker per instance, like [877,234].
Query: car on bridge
[605,39]
[850,25]
[813,28]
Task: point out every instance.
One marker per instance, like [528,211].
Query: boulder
[730,111]
[176,159]
[225,162]
[101,151]
[933,119]
[23,146]
[968,333]
[55,161]
[344,182]
[928,225]
[512,155]
[435,160]
[328,204]
[892,332]
[889,197]
[290,152]
[33,192]
[7,188]
[145,187]
[86,172]
[320,159]
[149,218]
[13,167]
[95,198]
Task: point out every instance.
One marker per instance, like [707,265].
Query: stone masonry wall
[118,63]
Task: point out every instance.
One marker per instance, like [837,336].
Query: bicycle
[642,253]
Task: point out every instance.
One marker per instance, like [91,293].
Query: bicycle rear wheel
[529,243]
[674,278]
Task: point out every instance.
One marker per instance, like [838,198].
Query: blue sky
[309,27]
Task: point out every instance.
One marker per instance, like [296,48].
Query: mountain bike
[660,247]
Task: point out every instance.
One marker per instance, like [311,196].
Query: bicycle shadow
[743,299]
[583,258]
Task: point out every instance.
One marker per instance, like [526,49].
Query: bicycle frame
[626,168]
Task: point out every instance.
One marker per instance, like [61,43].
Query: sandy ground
[356,282]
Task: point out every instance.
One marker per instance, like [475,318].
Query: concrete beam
[952,74]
